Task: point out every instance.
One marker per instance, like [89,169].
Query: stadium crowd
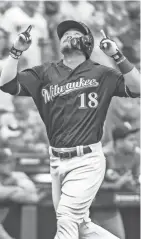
[21,128]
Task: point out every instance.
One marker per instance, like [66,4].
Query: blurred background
[23,132]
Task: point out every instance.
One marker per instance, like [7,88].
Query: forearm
[9,70]
[7,192]
[24,182]
[131,75]
[23,196]
[18,194]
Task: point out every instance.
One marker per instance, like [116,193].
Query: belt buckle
[64,155]
[61,154]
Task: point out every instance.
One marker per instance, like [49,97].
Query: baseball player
[72,97]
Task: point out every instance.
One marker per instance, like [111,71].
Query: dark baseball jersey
[72,103]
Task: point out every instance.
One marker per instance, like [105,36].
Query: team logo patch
[55,90]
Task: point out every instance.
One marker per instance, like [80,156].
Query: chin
[66,49]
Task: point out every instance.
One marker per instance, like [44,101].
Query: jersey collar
[86,65]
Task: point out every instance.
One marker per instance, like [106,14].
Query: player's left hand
[108,46]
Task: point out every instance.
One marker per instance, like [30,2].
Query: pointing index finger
[103,33]
[29,29]
[104,36]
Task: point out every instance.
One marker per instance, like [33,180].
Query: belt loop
[81,150]
[78,151]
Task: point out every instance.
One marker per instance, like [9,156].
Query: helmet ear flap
[86,40]
[87,44]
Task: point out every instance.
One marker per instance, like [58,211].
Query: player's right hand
[23,40]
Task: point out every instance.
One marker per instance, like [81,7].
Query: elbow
[132,80]
[134,89]
[1,82]
[134,86]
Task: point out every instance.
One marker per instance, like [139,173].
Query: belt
[71,154]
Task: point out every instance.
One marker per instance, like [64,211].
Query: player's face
[65,42]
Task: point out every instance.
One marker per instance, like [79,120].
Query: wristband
[14,53]
[118,56]
[125,66]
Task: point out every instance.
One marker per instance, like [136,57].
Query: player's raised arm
[130,73]
[22,43]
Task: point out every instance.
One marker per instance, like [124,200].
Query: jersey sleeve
[26,83]
[12,87]
[122,89]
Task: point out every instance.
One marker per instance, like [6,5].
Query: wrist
[14,53]
[123,64]
[118,56]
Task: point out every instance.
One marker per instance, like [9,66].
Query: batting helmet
[84,43]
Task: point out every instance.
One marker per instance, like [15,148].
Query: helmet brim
[69,24]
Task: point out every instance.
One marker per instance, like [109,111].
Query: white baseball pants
[75,183]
